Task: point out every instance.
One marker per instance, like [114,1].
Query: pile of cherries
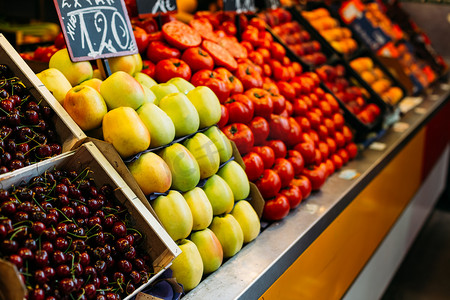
[71,239]
[27,134]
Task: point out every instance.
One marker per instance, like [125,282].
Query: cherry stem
[77,236]
[16,231]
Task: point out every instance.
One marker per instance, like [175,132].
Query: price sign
[239,5]
[151,7]
[95,29]
[272,4]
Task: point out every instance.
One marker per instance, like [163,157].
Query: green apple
[187,267]
[123,128]
[183,114]
[206,154]
[121,89]
[219,194]
[162,89]
[221,141]
[200,206]
[144,79]
[86,106]
[94,83]
[183,166]
[175,215]
[210,249]
[207,105]
[149,97]
[151,173]
[75,72]
[246,216]
[158,123]
[55,81]
[236,178]
[139,64]
[229,234]
[182,84]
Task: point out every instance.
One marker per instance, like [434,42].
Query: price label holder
[239,6]
[155,8]
[96,30]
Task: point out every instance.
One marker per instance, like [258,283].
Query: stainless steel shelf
[258,265]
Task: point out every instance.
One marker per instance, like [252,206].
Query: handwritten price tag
[151,7]
[95,29]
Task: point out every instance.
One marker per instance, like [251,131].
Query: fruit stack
[356,99]
[76,231]
[378,81]
[295,36]
[340,38]
[290,132]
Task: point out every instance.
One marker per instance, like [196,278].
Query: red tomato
[337,161]
[254,165]
[330,166]
[235,49]
[249,77]
[155,37]
[247,45]
[344,155]
[316,175]
[260,129]
[307,151]
[157,51]
[279,103]
[285,170]
[322,132]
[148,68]
[198,59]
[149,25]
[256,58]
[180,35]
[234,84]
[269,184]
[295,131]
[59,41]
[287,90]
[352,150]
[296,159]
[304,123]
[279,128]
[241,135]
[340,139]
[204,28]
[324,149]
[224,116]
[329,124]
[142,39]
[220,55]
[167,69]
[300,107]
[293,194]
[278,147]
[240,108]
[314,119]
[304,184]
[339,121]
[210,79]
[347,133]
[262,102]
[276,209]
[267,154]
[331,145]
[289,108]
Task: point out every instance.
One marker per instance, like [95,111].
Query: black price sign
[151,7]
[272,4]
[96,29]
[239,5]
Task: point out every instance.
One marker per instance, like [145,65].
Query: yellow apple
[236,178]
[144,79]
[55,81]
[121,89]
[207,105]
[126,63]
[221,141]
[158,123]
[94,83]
[210,249]
[151,173]
[206,154]
[219,194]
[187,267]
[246,216]
[163,89]
[182,84]
[97,74]
[75,72]
[86,106]
[175,215]
[149,97]
[123,128]
[183,166]
[183,114]
[229,233]
[200,206]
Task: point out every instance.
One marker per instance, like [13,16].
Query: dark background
[22,11]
